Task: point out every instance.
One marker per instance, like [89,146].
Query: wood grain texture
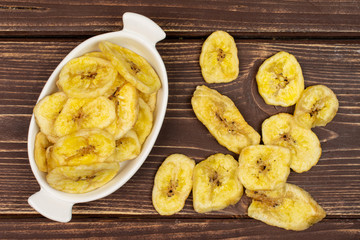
[245,229]
[333,182]
[246,18]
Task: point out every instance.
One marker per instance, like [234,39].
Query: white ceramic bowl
[139,34]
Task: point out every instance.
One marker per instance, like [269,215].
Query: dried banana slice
[219,60]
[133,67]
[41,144]
[150,99]
[290,207]
[317,106]
[126,101]
[172,184]
[222,118]
[119,83]
[81,113]
[282,130]
[280,80]
[128,147]
[264,167]
[82,178]
[47,110]
[144,122]
[86,146]
[86,77]
[216,184]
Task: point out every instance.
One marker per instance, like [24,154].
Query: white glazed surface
[139,35]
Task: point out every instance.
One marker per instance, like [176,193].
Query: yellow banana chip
[219,58]
[290,207]
[317,107]
[133,67]
[128,147]
[82,178]
[216,184]
[264,167]
[126,101]
[86,77]
[282,130]
[47,110]
[144,122]
[172,184]
[86,146]
[280,80]
[41,144]
[150,99]
[222,118]
[81,113]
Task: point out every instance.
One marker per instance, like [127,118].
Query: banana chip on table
[82,178]
[86,77]
[282,130]
[144,122]
[81,113]
[126,101]
[280,80]
[216,184]
[222,118]
[41,145]
[291,208]
[219,58]
[86,146]
[47,110]
[172,184]
[264,167]
[133,67]
[317,106]
[128,147]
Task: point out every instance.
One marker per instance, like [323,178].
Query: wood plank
[173,229]
[183,18]
[333,182]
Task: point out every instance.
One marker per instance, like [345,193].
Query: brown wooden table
[323,35]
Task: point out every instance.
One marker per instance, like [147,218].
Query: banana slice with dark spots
[280,80]
[317,106]
[290,207]
[216,184]
[172,184]
[264,167]
[222,118]
[219,58]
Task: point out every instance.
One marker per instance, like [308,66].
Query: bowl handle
[143,26]
[50,206]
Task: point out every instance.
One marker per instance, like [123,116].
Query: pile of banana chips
[263,169]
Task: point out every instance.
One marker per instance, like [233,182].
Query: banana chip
[291,208]
[264,167]
[127,108]
[128,147]
[41,144]
[150,99]
[216,184]
[86,77]
[47,110]
[222,118]
[86,146]
[317,106]
[282,130]
[133,67]
[82,178]
[81,113]
[280,80]
[219,58]
[172,184]
[144,122]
